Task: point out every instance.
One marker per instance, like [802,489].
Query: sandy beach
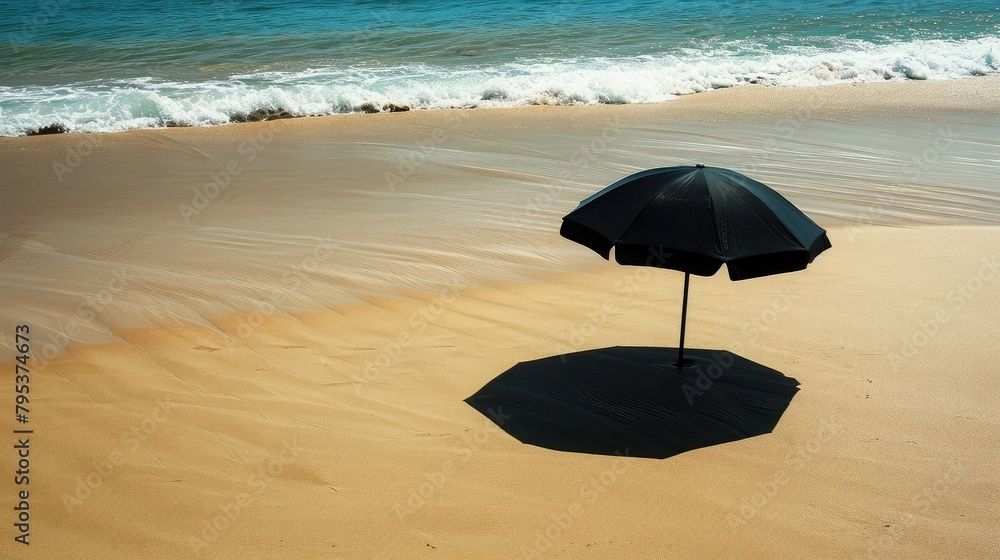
[255,340]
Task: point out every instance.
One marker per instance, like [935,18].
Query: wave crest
[151,102]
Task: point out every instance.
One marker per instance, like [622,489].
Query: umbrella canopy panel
[695,219]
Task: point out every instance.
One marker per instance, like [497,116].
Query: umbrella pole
[684,313]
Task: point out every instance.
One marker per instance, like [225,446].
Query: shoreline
[750,102]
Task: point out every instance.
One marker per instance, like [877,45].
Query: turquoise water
[100,66]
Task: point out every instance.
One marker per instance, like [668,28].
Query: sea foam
[150,102]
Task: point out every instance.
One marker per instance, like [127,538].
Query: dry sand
[285,354]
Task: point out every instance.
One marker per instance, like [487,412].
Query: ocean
[97,66]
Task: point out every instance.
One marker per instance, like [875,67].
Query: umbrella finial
[700,166]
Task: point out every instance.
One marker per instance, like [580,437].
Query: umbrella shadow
[634,401]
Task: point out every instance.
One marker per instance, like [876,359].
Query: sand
[256,340]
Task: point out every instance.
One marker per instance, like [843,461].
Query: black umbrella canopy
[695,219]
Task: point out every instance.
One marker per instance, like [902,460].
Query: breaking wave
[152,102]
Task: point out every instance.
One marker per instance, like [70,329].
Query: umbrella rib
[720,243]
[777,229]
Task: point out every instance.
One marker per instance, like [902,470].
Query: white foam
[150,102]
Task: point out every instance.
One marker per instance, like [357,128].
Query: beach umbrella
[694,219]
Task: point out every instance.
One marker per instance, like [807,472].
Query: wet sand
[257,339]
